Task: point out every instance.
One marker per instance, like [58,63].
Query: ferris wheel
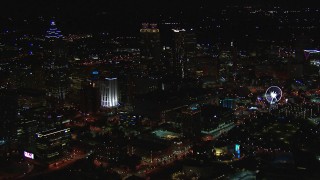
[273,94]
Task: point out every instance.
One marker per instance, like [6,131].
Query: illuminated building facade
[56,64]
[53,31]
[52,144]
[32,121]
[179,54]
[190,44]
[26,129]
[227,63]
[228,103]
[109,93]
[150,46]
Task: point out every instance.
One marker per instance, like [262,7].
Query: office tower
[127,92]
[235,59]
[179,53]
[190,122]
[297,66]
[190,47]
[43,135]
[190,44]
[8,117]
[150,47]
[53,31]
[227,63]
[51,144]
[27,127]
[55,46]
[56,64]
[302,43]
[228,103]
[109,93]
[90,99]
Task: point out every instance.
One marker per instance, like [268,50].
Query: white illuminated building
[109,93]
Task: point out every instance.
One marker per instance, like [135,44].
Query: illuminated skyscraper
[190,44]
[150,46]
[109,93]
[179,54]
[56,64]
[53,31]
[52,144]
[42,132]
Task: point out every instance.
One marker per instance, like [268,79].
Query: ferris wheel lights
[273,94]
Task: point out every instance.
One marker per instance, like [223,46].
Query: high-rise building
[51,144]
[8,118]
[56,64]
[53,31]
[27,127]
[90,99]
[190,44]
[302,43]
[179,53]
[191,126]
[109,93]
[184,50]
[43,134]
[297,67]
[150,47]
[55,46]
[228,103]
[227,62]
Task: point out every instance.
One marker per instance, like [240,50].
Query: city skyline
[159,90]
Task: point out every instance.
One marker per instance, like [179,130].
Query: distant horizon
[63,8]
[124,18]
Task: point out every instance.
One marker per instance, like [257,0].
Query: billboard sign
[28,155]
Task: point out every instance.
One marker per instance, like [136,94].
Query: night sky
[117,15]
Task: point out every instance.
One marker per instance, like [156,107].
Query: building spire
[53,31]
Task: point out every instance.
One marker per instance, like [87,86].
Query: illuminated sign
[95,72]
[237,148]
[28,155]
